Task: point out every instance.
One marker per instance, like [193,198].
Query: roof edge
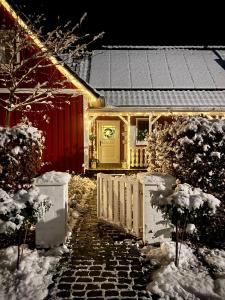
[170,109]
[222,89]
[163,47]
[94,98]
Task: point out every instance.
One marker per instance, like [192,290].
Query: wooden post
[136,157]
[116,200]
[136,209]
[128,142]
[129,206]
[122,202]
[110,199]
[141,157]
[105,198]
[132,157]
[98,194]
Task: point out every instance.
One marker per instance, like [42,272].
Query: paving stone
[63,294]
[96,268]
[92,287]
[102,264]
[100,279]
[108,274]
[122,286]
[135,274]
[124,280]
[82,273]
[123,274]
[84,279]
[79,293]
[64,286]
[107,286]
[139,287]
[77,286]
[111,293]
[112,280]
[67,279]
[68,273]
[94,293]
[94,273]
[127,293]
[122,268]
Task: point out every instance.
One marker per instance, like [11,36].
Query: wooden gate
[126,201]
[120,201]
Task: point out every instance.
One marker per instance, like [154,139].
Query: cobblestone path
[103,264]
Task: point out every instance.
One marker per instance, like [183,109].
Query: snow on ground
[30,282]
[191,281]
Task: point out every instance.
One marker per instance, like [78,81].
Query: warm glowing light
[94,101]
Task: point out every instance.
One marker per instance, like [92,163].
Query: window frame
[138,142]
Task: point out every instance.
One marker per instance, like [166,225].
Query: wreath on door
[109,132]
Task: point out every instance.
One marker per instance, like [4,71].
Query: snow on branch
[30,56]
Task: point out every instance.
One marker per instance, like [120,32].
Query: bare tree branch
[30,64]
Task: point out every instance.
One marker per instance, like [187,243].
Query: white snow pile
[30,282]
[15,207]
[52,177]
[191,281]
[164,182]
[215,258]
[186,197]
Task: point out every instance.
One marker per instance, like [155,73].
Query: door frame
[118,122]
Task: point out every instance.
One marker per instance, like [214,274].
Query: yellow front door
[108,141]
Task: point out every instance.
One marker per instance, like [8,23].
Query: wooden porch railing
[138,157]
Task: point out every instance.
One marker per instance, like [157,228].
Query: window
[142,129]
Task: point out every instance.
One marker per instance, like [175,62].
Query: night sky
[140,23]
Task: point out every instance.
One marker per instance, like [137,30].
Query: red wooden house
[65,131]
[136,87]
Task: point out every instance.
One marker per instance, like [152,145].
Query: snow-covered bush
[23,206]
[185,208]
[80,190]
[187,203]
[193,150]
[20,156]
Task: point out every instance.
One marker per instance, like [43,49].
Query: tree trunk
[7,118]
[18,257]
[177,244]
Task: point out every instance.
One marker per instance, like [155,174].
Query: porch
[117,141]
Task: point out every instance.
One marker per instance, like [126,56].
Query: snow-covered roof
[213,99]
[157,76]
[146,68]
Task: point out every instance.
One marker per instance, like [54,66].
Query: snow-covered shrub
[20,156]
[193,150]
[79,187]
[23,206]
[80,190]
[187,204]
[185,208]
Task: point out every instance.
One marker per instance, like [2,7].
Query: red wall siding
[64,135]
